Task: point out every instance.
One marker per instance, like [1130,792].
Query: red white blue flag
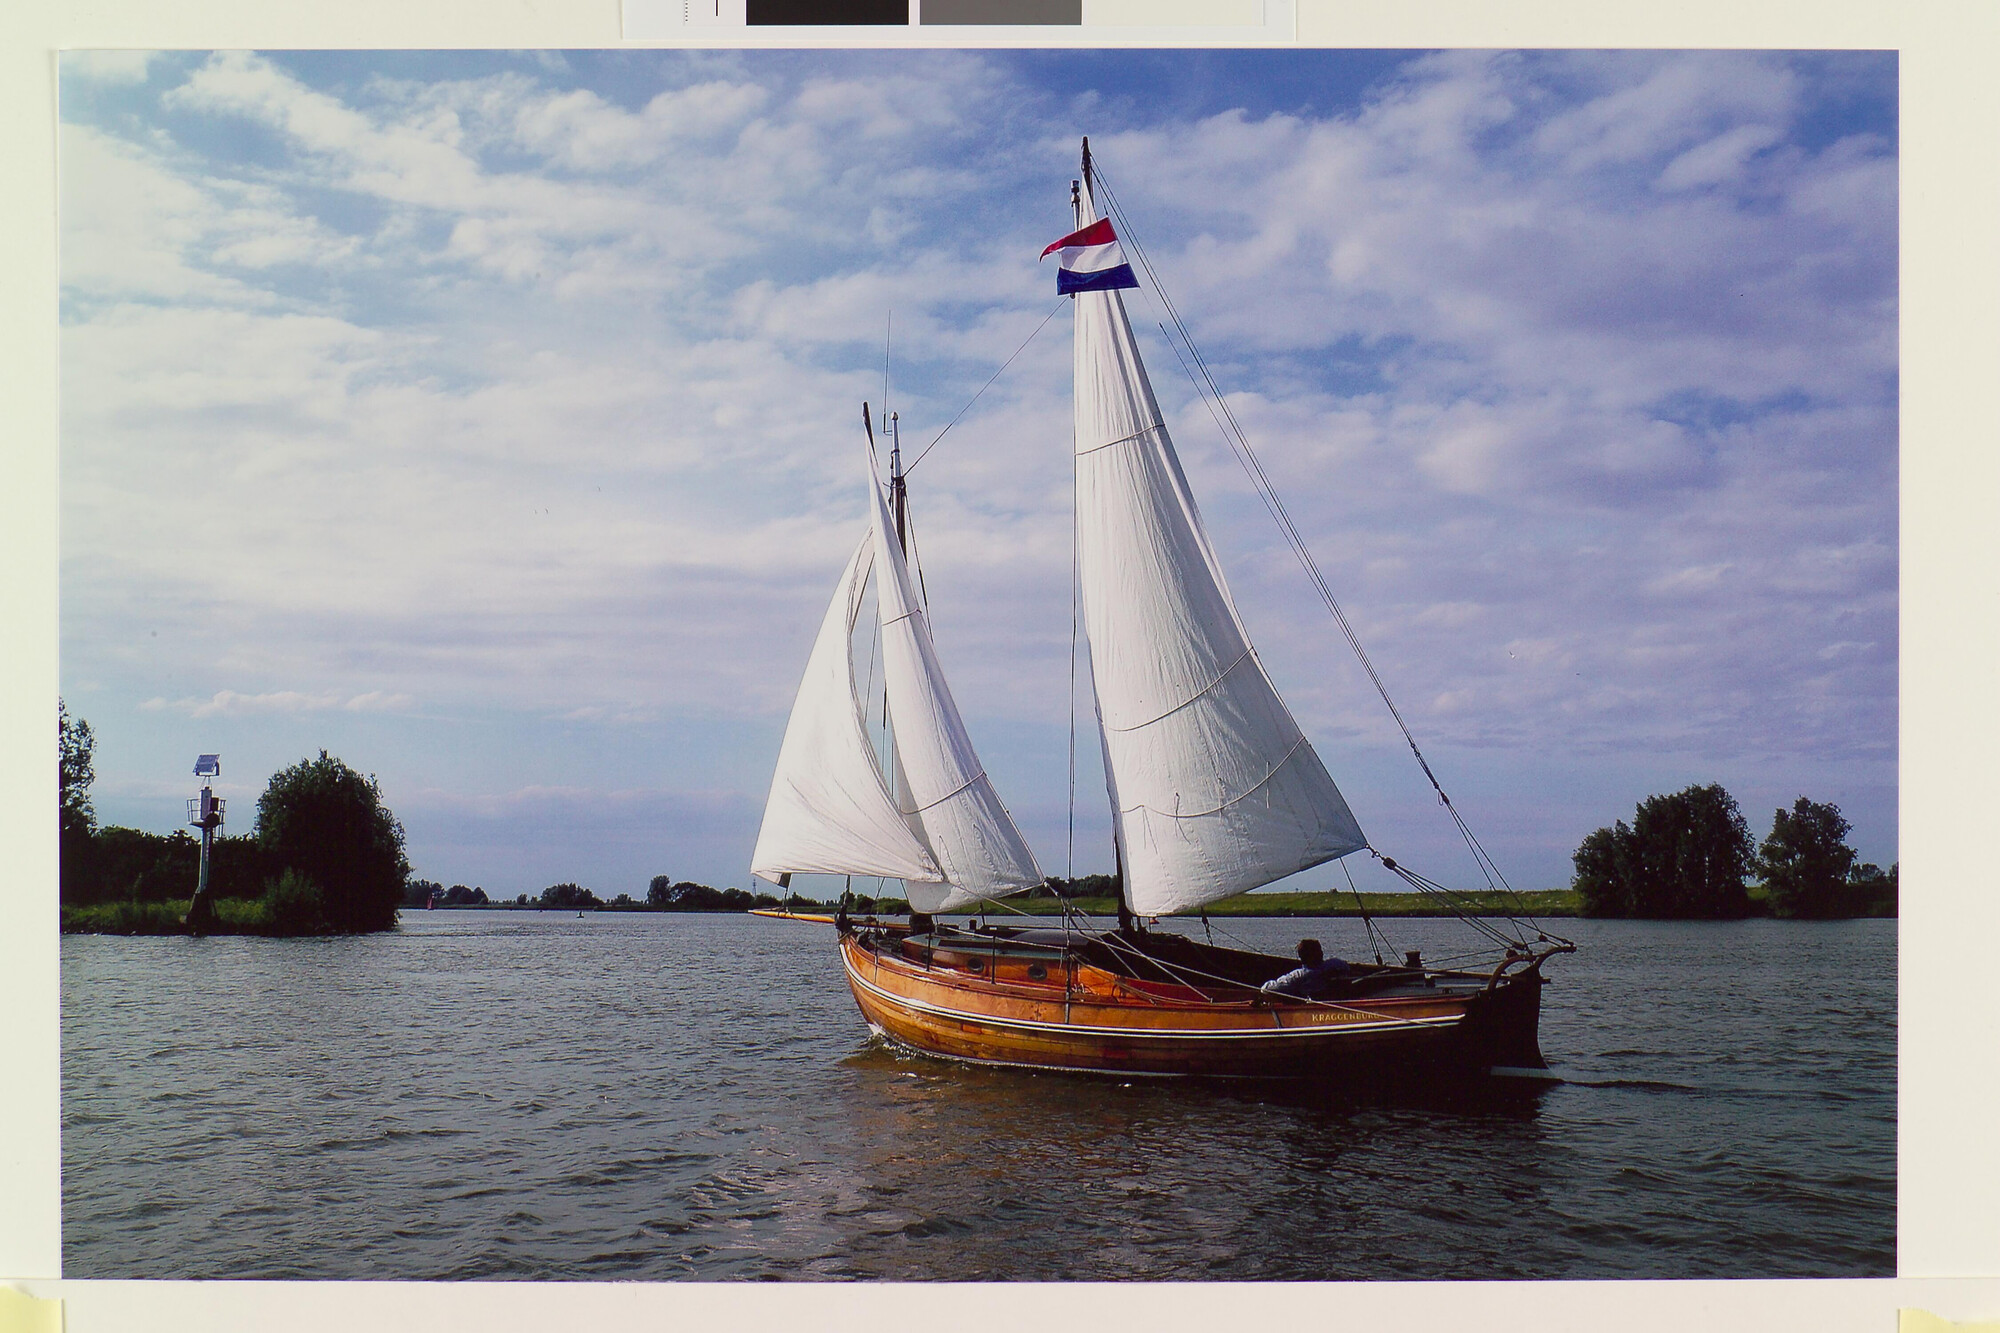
[1090,261]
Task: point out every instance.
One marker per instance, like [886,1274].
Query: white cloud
[112,67]
[1677,103]
[580,130]
[1719,160]
[231,703]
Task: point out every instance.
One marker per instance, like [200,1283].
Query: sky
[492,421]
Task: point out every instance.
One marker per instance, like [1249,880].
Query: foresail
[829,811]
[945,793]
[1215,789]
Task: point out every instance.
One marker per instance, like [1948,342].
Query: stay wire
[1069,865]
[916,563]
[1377,940]
[984,387]
[1465,910]
[1239,444]
[1069,851]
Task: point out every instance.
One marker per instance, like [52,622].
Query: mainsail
[829,810]
[945,793]
[1214,788]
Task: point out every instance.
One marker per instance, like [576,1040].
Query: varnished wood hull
[1082,1019]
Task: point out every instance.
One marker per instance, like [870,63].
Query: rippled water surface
[498,1094]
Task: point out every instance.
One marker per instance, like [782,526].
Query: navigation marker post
[205,813]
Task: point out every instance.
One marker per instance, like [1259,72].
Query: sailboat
[1214,791]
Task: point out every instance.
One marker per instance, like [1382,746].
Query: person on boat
[1315,974]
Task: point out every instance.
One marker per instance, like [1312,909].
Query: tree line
[1690,855]
[666,894]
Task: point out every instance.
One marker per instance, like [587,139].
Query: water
[498,1094]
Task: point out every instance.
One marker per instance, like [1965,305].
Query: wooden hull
[1078,1017]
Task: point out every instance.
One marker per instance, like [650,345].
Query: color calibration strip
[668,20]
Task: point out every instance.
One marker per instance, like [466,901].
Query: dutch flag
[1091,261]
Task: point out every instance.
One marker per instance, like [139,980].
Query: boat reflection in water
[1214,791]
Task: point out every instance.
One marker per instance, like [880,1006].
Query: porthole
[975,964]
[1038,972]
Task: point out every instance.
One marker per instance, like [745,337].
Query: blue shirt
[1307,982]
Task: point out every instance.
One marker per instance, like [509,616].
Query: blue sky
[489,420]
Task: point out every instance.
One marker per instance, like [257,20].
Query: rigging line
[1180,973]
[1069,849]
[1248,946]
[984,387]
[1366,920]
[1183,971]
[1512,920]
[1460,908]
[916,561]
[1240,445]
[985,903]
[1069,864]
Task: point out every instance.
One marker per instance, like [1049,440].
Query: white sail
[829,811]
[1215,790]
[945,793]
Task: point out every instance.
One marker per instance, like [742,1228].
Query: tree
[1683,856]
[325,821]
[1083,886]
[569,895]
[77,825]
[296,905]
[1605,872]
[1806,864]
[1874,889]
[687,896]
[76,745]
[661,891]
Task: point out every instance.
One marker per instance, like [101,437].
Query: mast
[899,493]
[1127,922]
[899,490]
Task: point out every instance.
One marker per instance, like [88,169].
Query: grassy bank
[233,916]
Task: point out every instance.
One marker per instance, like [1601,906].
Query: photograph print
[970,665]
